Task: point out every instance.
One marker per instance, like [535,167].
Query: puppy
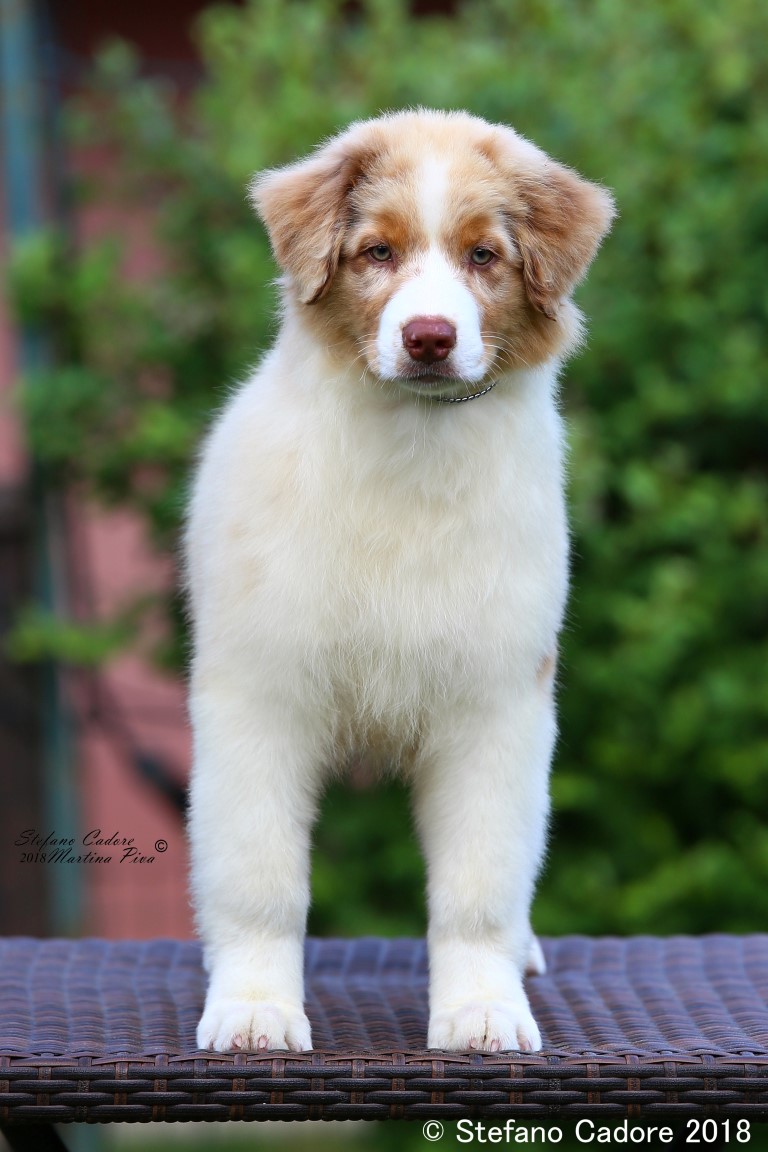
[377,560]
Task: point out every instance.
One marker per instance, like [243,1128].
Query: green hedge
[661,777]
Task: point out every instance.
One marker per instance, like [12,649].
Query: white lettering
[465,1132]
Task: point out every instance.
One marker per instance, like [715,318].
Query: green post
[24,153]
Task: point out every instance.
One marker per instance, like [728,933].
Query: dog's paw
[253,1026]
[485,1026]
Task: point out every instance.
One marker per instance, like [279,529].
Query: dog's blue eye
[381,252]
[481,256]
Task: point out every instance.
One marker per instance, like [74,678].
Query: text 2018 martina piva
[95,847]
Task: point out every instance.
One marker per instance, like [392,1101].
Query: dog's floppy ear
[565,218]
[303,208]
[558,219]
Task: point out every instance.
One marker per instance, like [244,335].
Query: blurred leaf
[40,635]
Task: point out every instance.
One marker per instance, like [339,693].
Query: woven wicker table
[95,1030]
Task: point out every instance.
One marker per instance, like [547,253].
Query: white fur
[433,192]
[371,573]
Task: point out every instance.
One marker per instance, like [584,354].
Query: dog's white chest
[419,593]
[394,562]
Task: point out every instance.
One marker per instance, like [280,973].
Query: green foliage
[661,777]
[39,634]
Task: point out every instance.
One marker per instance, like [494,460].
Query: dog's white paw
[253,1026]
[485,1026]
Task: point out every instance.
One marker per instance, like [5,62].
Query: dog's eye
[481,256]
[380,252]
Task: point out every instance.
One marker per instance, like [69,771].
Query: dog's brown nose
[428,338]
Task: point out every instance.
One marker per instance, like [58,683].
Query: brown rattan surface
[104,1030]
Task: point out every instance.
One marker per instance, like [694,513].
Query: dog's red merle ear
[303,208]
[563,222]
[558,221]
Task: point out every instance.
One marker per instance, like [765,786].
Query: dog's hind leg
[536,964]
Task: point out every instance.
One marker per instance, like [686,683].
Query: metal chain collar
[461,399]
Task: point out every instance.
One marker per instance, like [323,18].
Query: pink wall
[127,898]
[13,459]
[123,898]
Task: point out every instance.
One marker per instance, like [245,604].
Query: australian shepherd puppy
[377,559]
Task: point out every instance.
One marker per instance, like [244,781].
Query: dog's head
[441,248]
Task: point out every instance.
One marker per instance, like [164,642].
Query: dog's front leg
[253,798]
[481,795]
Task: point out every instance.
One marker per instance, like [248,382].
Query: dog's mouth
[434,382]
